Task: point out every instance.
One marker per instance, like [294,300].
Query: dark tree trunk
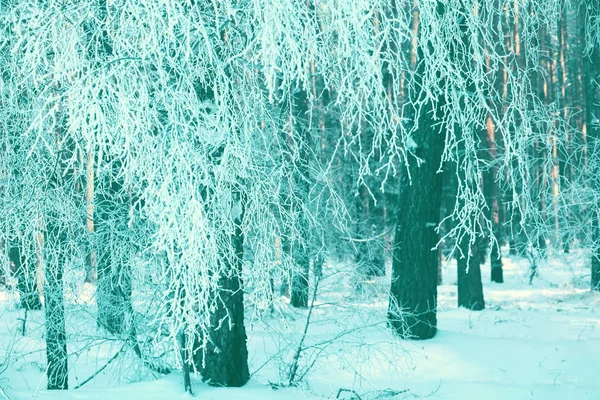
[470,289]
[113,294]
[562,100]
[109,223]
[538,186]
[497,274]
[370,250]
[225,360]
[591,84]
[26,272]
[595,280]
[413,293]
[491,192]
[412,311]
[57,255]
[493,140]
[299,290]
[56,337]
[301,249]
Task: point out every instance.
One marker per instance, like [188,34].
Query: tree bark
[301,249]
[412,311]
[25,271]
[299,289]
[413,293]
[591,83]
[56,336]
[113,293]
[470,288]
[225,359]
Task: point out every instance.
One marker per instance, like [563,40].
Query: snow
[531,342]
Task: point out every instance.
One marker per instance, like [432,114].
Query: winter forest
[299,199]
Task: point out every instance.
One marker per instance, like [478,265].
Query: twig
[294,366]
[4,394]
[37,389]
[369,239]
[113,358]
[24,319]
[533,263]
[341,390]
[138,351]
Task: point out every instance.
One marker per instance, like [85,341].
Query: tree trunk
[491,192]
[470,289]
[299,289]
[26,271]
[563,143]
[412,311]
[413,293]
[225,359]
[493,139]
[56,255]
[90,259]
[591,83]
[301,249]
[595,280]
[113,294]
[56,337]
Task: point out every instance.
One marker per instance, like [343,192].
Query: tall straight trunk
[56,255]
[412,311]
[518,243]
[469,286]
[490,177]
[563,143]
[595,279]
[551,96]
[491,191]
[591,83]
[113,293]
[538,179]
[90,261]
[56,336]
[413,292]
[300,274]
[26,272]
[225,360]
[108,206]
[301,248]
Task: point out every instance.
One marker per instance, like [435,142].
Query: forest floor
[539,341]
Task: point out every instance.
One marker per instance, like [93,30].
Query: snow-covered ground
[531,342]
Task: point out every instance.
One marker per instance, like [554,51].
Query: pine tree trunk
[595,279]
[225,360]
[299,289]
[301,249]
[113,294]
[56,255]
[562,148]
[412,311]
[519,238]
[25,271]
[107,216]
[491,192]
[591,83]
[493,140]
[90,259]
[470,289]
[538,187]
[56,337]
[413,293]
